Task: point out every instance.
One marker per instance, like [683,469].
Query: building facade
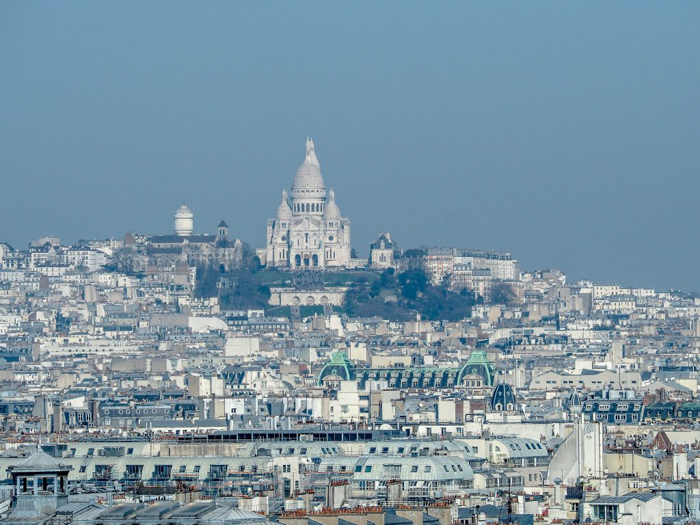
[308,230]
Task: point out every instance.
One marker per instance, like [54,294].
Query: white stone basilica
[308,231]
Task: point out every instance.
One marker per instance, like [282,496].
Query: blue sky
[567,133]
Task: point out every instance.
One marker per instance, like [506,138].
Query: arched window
[315,259]
[307,207]
[297,260]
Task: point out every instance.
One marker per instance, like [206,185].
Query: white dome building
[308,231]
[184,221]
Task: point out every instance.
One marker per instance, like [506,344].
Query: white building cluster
[308,230]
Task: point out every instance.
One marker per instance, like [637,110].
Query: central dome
[308,175]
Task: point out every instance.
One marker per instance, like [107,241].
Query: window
[372,450]
[400,450]
[82,468]
[183,469]
[358,468]
[368,468]
[385,450]
[197,469]
[427,468]
[414,468]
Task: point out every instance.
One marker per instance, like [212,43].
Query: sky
[567,133]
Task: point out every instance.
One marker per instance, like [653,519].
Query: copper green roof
[478,364]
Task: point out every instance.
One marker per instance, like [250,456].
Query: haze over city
[564,133]
[360,263]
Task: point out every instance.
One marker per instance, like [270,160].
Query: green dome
[478,364]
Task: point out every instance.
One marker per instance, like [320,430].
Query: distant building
[194,248]
[382,252]
[308,230]
[340,368]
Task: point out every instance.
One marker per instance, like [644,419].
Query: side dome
[331,212]
[284,212]
[308,175]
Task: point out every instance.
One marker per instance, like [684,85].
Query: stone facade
[308,231]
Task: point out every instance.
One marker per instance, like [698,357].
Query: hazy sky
[565,132]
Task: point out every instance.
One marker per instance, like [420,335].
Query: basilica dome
[284,212]
[331,212]
[308,176]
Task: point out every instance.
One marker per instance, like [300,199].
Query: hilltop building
[308,230]
[195,248]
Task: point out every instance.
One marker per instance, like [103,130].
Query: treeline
[239,289]
[400,296]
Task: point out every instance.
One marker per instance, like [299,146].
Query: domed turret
[184,221]
[503,398]
[308,176]
[331,212]
[284,212]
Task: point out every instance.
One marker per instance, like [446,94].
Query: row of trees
[240,289]
[400,296]
[393,296]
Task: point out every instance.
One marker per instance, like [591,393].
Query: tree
[207,276]
[122,261]
[247,291]
[412,282]
[502,293]
[250,259]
